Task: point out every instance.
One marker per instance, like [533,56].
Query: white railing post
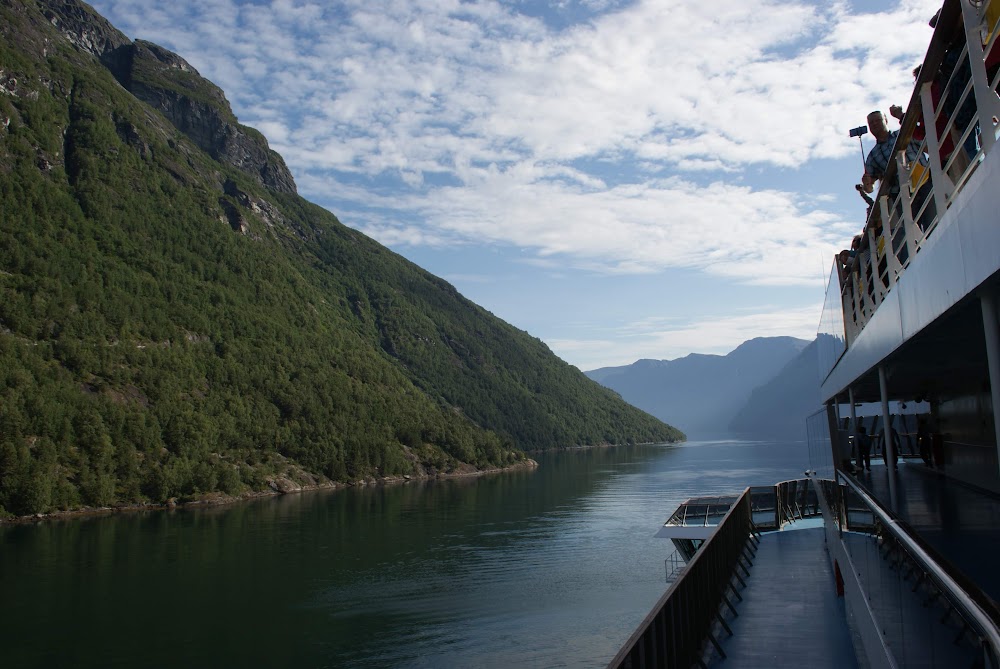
[941,183]
[847,308]
[864,305]
[987,102]
[909,225]
[883,204]
[856,314]
[872,263]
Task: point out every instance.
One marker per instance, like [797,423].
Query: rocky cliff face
[199,109]
[168,83]
[84,28]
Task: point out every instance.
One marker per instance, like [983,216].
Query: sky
[623,179]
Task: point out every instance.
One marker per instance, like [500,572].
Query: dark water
[553,567]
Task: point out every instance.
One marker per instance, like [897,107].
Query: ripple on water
[552,568]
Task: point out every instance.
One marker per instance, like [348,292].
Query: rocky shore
[279,485]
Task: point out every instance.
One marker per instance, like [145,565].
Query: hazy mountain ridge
[701,393]
[780,406]
[175,321]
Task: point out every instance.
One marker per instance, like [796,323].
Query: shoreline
[605,445]
[279,486]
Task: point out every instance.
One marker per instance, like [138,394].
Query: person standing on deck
[891,456]
[864,449]
[924,441]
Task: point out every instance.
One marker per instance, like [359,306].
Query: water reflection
[549,567]
[916,623]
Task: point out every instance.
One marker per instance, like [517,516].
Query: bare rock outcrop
[169,84]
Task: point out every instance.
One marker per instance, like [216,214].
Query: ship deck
[790,615]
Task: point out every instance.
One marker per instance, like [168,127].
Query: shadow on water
[552,567]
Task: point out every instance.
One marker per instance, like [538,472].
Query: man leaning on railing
[878,158]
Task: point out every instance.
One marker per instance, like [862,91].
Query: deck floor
[790,615]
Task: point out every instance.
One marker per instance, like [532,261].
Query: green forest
[172,329]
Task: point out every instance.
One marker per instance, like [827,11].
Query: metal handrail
[971,611]
[673,565]
[672,633]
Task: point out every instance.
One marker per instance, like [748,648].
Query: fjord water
[543,568]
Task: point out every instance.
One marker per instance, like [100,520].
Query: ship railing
[950,125]
[673,633]
[701,512]
[859,512]
[673,566]
[775,506]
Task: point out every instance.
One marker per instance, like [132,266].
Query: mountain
[176,322]
[701,393]
[779,407]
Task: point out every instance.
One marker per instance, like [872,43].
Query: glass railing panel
[763,507]
[910,630]
[818,443]
[919,617]
[831,338]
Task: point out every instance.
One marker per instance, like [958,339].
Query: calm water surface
[548,568]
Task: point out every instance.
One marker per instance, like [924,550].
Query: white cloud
[591,144]
[724,229]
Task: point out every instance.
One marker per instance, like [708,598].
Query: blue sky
[622,179]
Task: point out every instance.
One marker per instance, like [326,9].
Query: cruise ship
[894,564]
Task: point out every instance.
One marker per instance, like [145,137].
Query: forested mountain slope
[175,321]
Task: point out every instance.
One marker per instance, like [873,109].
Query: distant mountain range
[779,407]
[765,387]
